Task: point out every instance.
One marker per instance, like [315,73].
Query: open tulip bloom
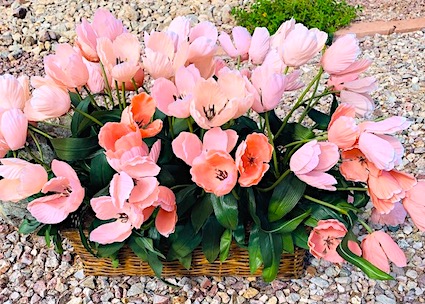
[205,155]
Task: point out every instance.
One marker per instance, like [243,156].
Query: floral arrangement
[178,144]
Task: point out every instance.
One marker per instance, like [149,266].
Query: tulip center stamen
[251,160]
[123,217]
[220,174]
[119,61]
[210,112]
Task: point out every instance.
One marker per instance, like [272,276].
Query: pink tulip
[341,54]
[116,206]
[126,151]
[349,74]
[269,87]
[240,45]
[48,101]
[174,99]
[20,179]
[356,93]
[325,238]
[215,171]
[211,106]
[284,29]
[414,204]
[301,45]
[14,92]
[161,58]
[187,146]
[252,159]
[394,218]
[139,115]
[120,57]
[310,162]
[166,218]
[388,187]
[355,166]
[13,129]
[203,29]
[383,150]
[260,44]
[68,195]
[378,247]
[343,130]
[66,67]
[104,25]
[96,82]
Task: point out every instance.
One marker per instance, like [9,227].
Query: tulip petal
[117,231]
[165,222]
[14,126]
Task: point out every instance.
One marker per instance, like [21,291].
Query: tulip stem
[311,103]
[118,95]
[352,189]
[134,85]
[365,225]
[170,122]
[276,182]
[326,204]
[299,102]
[35,129]
[36,142]
[180,186]
[189,124]
[305,141]
[286,70]
[238,64]
[92,100]
[270,134]
[235,194]
[88,116]
[108,87]
[123,95]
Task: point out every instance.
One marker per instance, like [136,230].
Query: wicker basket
[237,264]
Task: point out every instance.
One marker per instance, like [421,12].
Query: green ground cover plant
[326,15]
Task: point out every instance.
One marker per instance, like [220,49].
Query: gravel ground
[32,273]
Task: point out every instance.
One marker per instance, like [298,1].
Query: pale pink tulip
[211,106]
[20,179]
[260,45]
[325,238]
[383,150]
[349,74]
[116,206]
[187,146]
[388,187]
[96,82]
[240,45]
[414,204]
[139,114]
[301,45]
[105,25]
[232,84]
[215,171]
[68,195]
[14,92]
[126,151]
[162,58]
[269,88]
[310,162]
[284,29]
[13,128]
[342,129]
[204,29]
[341,54]
[252,159]
[66,67]
[174,99]
[394,218]
[363,103]
[378,247]
[48,101]
[179,29]
[120,57]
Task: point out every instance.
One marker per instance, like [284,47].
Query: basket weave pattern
[237,263]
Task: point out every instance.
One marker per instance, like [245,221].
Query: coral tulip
[414,204]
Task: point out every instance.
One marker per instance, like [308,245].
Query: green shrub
[326,15]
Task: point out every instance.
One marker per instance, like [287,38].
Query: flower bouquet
[182,143]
